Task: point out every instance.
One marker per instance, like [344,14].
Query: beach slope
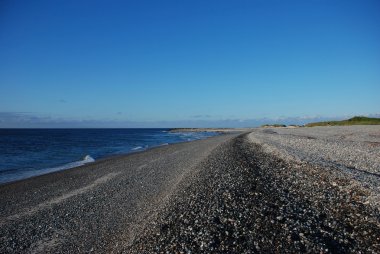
[271,190]
[287,190]
[97,207]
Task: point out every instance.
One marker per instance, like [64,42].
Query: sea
[30,152]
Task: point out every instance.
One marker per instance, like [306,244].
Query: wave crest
[88,159]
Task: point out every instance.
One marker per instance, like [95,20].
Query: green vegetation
[357,120]
[273,125]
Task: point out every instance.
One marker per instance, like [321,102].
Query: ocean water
[30,152]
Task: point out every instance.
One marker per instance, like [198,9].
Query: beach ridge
[265,190]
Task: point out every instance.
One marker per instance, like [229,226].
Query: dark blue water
[29,152]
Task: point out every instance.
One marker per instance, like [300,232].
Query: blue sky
[209,63]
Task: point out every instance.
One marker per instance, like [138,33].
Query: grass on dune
[357,120]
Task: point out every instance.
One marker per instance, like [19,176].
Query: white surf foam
[23,175]
[86,159]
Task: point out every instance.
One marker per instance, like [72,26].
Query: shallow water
[29,152]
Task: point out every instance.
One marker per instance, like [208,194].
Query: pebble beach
[265,190]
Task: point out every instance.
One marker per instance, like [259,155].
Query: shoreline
[111,195]
[217,130]
[77,164]
[228,193]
